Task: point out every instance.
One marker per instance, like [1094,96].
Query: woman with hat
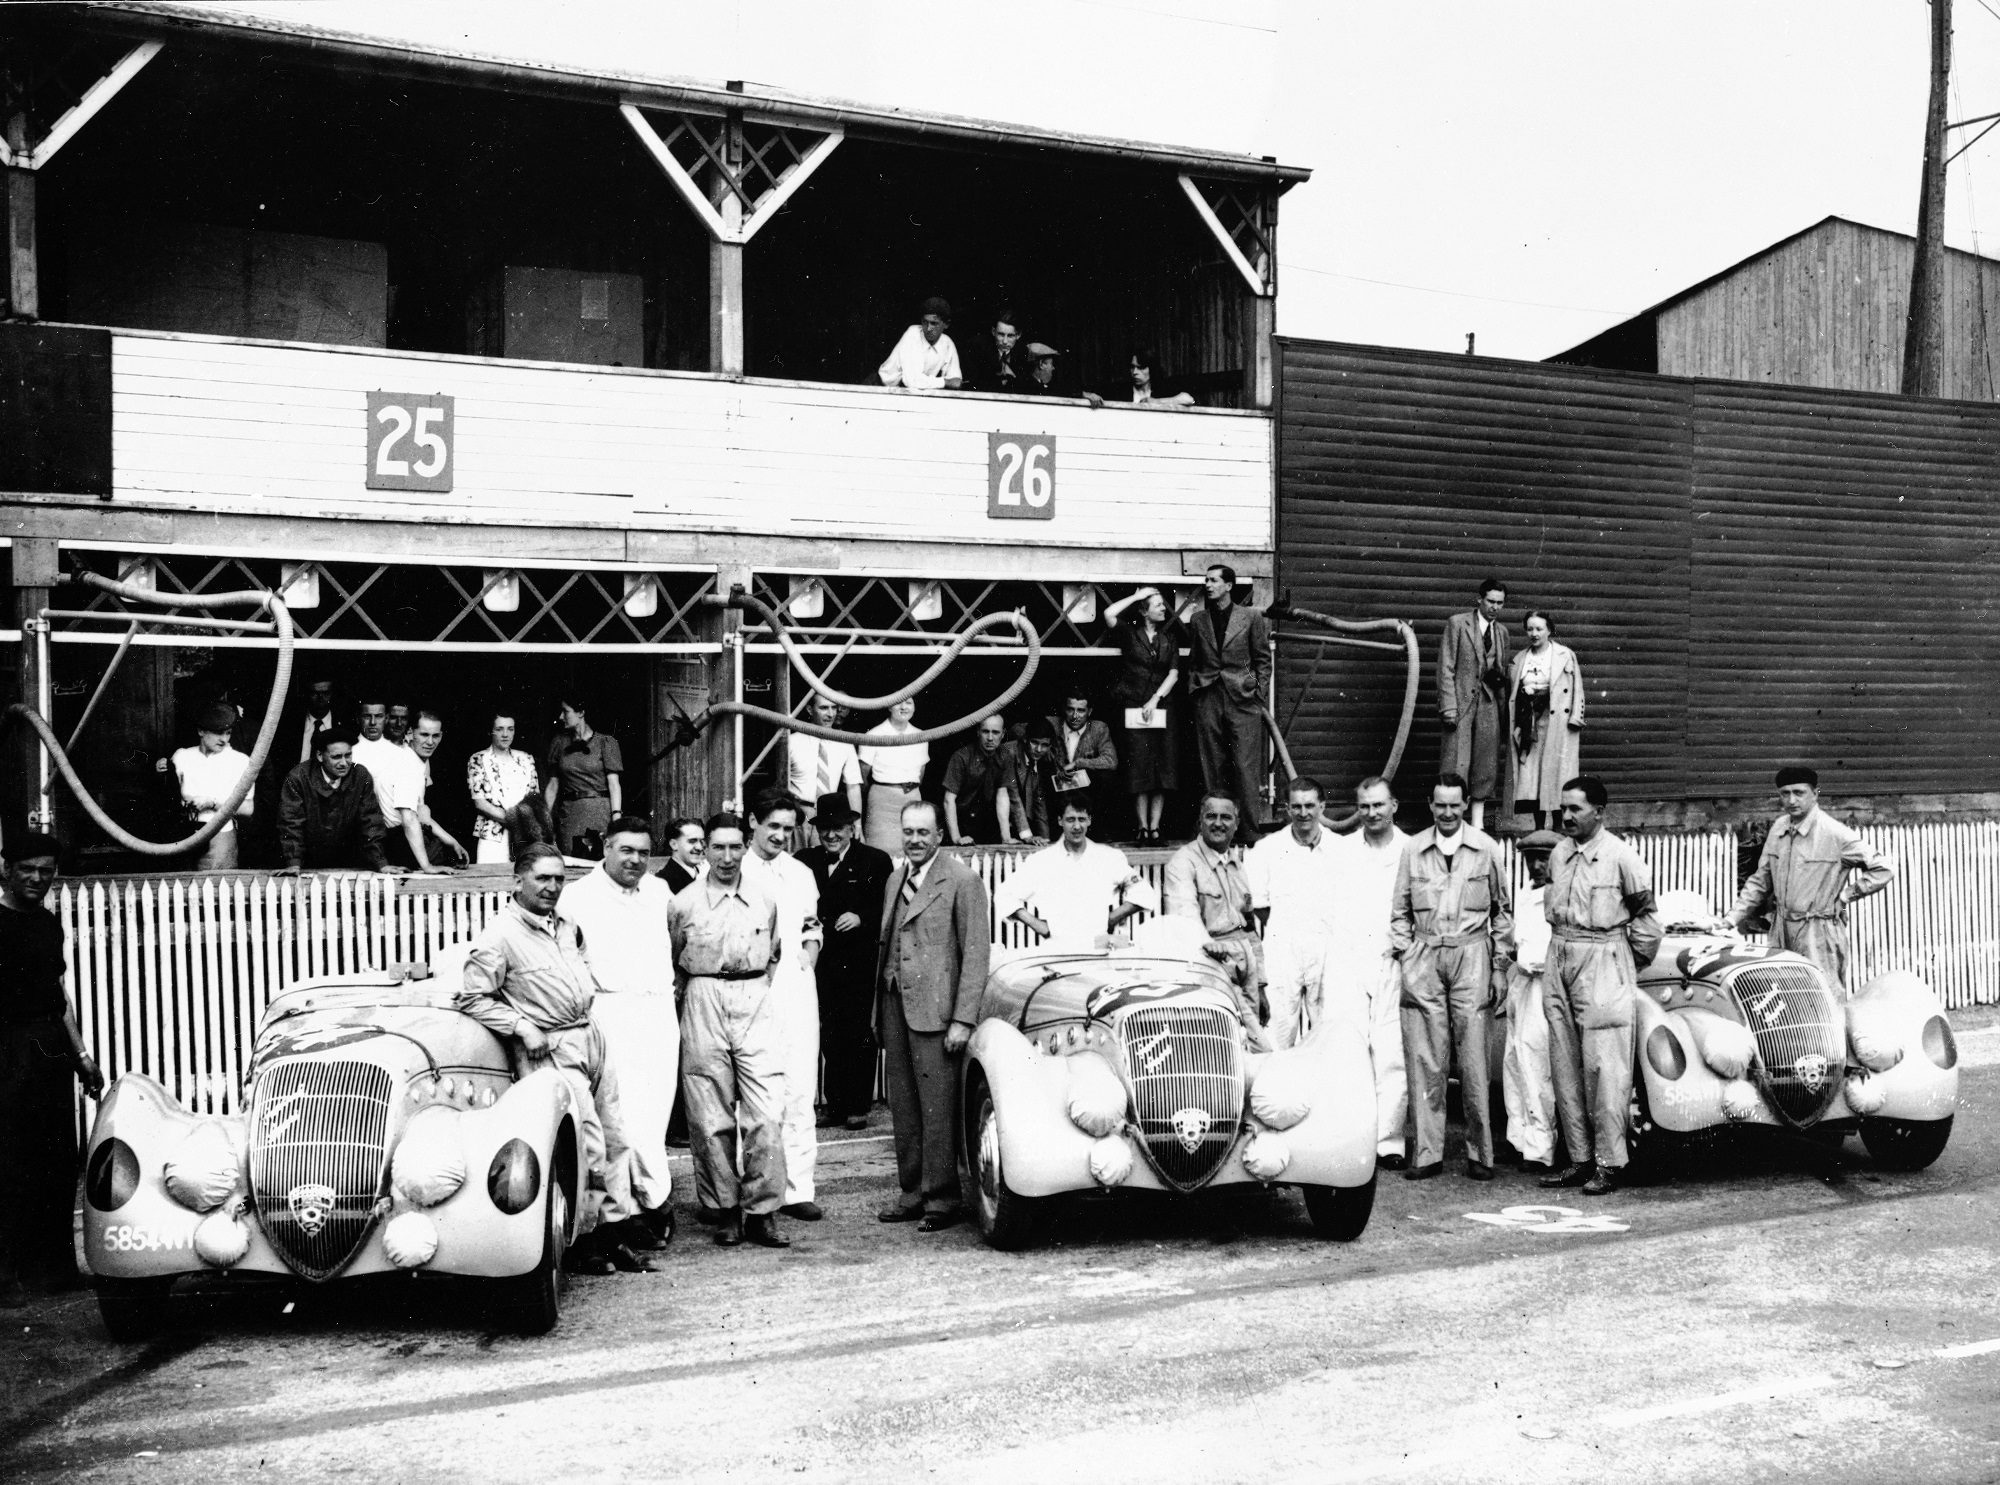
[209,773]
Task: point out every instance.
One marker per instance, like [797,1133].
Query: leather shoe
[729,1229]
[900,1213]
[585,1259]
[1570,1175]
[659,1221]
[1392,1162]
[939,1221]
[639,1234]
[623,1257]
[1603,1181]
[1424,1172]
[802,1211]
[1474,1171]
[855,1121]
[761,1228]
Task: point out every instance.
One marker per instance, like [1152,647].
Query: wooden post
[24,300]
[1923,350]
[725,261]
[1260,323]
[35,571]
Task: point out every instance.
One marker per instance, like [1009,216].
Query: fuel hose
[225,812]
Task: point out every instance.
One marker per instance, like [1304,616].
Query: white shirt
[314,726]
[1448,844]
[398,774]
[211,776]
[1531,931]
[790,882]
[1297,883]
[892,762]
[1365,892]
[814,767]
[918,364]
[624,930]
[1074,892]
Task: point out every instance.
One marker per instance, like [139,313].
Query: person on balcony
[208,773]
[328,816]
[398,777]
[993,364]
[1085,755]
[894,771]
[925,360]
[1149,667]
[498,777]
[1229,675]
[439,846]
[585,770]
[1144,391]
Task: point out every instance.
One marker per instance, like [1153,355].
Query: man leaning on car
[526,978]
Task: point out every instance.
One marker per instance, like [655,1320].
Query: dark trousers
[396,848]
[923,1102]
[847,1036]
[37,1154]
[1230,735]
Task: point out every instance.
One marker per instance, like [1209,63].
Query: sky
[1530,171]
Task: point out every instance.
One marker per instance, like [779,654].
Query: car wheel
[134,1309]
[1340,1212]
[1006,1220]
[1905,1144]
[534,1301]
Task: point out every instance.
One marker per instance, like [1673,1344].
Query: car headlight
[112,1175]
[410,1240]
[1664,1053]
[202,1171]
[514,1179]
[429,1163]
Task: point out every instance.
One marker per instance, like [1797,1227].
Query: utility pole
[1923,354]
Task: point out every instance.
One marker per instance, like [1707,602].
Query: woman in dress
[1149,659]
[893,771]
[498,777]
[584,789]
[1547,691]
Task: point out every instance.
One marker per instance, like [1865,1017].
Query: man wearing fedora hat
[851,875]
[208,774]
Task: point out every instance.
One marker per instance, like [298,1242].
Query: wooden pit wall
[1749,575]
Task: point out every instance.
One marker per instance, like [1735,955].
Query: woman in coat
[1149,665]
[1546,687]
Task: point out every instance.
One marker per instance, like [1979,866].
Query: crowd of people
[755,977]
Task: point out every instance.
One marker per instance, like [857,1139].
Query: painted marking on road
[1106,1283]
[1539,1218]
[1761,1392]
[1970,1348]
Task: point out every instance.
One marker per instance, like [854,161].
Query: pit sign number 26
[1020,477]
[409,441]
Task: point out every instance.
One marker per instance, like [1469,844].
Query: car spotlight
[1939,1045]
[112,1175]
[514,1179]
[1663,1051]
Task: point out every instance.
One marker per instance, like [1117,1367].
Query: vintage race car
[1124,1067]
[1733,1034]
[385,1132]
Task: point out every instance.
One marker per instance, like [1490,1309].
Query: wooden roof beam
[1251,276]
[757,209]
[86,108]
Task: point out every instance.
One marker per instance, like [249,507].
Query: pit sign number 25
[1020,477]
[409,441]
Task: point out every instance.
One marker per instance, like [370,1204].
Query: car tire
[1905,1144]
[1340,1212]
[134,1309]
[533,1302]
[1005,1219]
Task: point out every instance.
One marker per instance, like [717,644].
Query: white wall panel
[210,424]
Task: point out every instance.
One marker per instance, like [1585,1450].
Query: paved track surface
[1751,1322]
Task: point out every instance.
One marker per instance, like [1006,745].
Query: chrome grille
[1801,1038]
[317,1131]
[1186,1069]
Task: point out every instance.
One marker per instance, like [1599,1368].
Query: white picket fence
[170,974]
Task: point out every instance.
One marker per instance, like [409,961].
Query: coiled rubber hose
[739,599]
[1285,613]
[226,812]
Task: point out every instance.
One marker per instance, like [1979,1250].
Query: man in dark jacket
[1229,675]
[851,875]
[328,818]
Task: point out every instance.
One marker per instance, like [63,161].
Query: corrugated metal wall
[1748,574]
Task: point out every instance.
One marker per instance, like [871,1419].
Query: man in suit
[1472,699]
[1085,757]
[1229,674]
[992,364]
[932,969]
[687,842]
[852,876]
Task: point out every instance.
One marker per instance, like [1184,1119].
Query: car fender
[1334,1145]
[1041,1151]
[149,1234]
[474,1236]
[1924,1083]
[1692,1101]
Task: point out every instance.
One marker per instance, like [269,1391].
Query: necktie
[909,889]
[825,770]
